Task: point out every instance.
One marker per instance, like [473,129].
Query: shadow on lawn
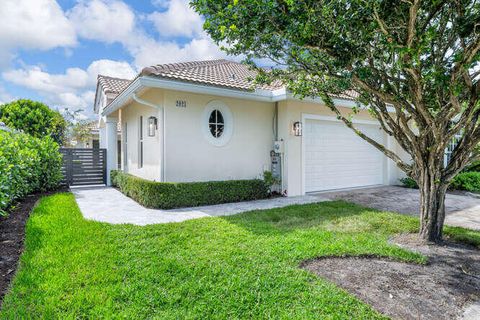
[335,216]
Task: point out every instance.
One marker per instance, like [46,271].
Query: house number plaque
[181,103]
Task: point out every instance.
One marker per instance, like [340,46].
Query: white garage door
[336,158]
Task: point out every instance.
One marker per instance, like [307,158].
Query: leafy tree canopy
[34,118]
[417,58]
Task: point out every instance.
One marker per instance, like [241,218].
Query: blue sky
[53,50]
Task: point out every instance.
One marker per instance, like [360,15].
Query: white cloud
[73,89]
[34,24]
[117,69]
[103,20]
[112,21]
[161,4]
[154,52]
[41,24]
[5,97]
[178,20]
[35,78]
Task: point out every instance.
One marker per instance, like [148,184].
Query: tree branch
[390,154]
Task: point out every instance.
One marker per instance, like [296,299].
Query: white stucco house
[203,121]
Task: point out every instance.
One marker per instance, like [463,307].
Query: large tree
[34,118]
[415,64]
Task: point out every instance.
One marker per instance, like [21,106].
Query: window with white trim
[125,149]
[217,123]
[450,148]
[140,143]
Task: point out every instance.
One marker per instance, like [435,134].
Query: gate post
[69,167]
[111,145]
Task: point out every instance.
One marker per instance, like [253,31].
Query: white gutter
[149,104]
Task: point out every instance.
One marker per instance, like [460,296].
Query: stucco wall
[191,157]
[291,111]
[152,153]
[189,154]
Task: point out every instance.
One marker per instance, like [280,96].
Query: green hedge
[27,165]
[409,183]
[165,195]
[469,181]
[473,167]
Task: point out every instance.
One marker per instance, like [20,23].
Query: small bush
[409,183]
[27,165]
[469,181]
[270,181]
[166,195]
[474,167]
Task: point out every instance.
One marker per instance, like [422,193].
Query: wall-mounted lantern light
[297,129]
[152,126]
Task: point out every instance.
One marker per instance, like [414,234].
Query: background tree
[34,118]
[418,57]
[79,129]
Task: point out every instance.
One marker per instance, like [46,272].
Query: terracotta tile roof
[218,73]
[349,94]
[112,85]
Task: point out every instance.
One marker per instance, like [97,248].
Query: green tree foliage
[27,164]
[82,131]
[419,59]
[34,118]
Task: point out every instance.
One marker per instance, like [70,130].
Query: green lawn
[243,266]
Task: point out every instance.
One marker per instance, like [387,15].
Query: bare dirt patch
[442,289]
[12,236]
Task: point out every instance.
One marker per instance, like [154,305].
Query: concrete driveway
[462,210]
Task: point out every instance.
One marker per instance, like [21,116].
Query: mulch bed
[443,289]
[12,236]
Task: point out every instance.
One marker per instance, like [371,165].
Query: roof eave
[258,95]
[122,98]
[154,82]
[98,92]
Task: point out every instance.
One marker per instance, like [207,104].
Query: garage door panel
[336,158]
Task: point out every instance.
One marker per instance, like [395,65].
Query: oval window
[216,123]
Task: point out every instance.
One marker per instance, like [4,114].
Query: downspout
[276,121]
[282,155]
[149,104]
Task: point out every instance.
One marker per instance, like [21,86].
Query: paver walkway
[462,210]
[109,205]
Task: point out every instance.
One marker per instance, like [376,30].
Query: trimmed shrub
[409,183]
[27,164]
[166,195]
[474,167]
[469,181]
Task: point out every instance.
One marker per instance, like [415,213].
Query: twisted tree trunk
[432,204]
